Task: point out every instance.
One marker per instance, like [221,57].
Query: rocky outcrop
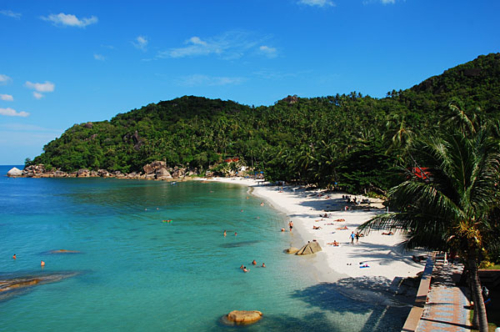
[242,317]
[154,166]
[34,171]
[14,172]
[156,170]
[162,174]
[103,173]
[178,172]
[309,249]
[83,173]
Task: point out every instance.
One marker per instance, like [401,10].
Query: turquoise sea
[137,273]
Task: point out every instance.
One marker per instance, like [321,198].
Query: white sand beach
[375,255]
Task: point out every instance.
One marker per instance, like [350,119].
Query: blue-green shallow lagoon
[137,273]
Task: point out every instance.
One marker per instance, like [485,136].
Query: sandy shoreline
[383,254]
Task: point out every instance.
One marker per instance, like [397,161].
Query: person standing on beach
[290,224]
[352,237]
[357,237]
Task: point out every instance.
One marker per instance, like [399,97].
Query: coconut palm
[451,207]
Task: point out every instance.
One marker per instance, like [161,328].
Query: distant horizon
[67,63]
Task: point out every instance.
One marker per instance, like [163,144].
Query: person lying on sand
[388,233]
[316,227]
[342,228]
[339,220]
[334,243]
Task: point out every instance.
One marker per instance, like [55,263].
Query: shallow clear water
[137,273]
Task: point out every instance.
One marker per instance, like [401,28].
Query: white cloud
[99,57]
[319,3]
[4,79]
[70,20]
[270,52]
[12,112]
[230,45]
[6,97]
[141,43]
[384,2]
[41,87]
[203,80]
[10,13]
[197,41]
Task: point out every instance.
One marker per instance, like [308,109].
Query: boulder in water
[14,172]
[64,251]
[242,317]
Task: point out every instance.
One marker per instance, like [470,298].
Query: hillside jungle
[356,141]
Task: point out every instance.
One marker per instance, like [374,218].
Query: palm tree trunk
[480,317]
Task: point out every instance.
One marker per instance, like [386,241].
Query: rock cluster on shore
[157,170]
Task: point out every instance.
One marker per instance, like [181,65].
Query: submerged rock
[242,317]
[64,251]
[16,285]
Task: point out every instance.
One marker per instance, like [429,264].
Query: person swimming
[225,233]
[245,269]
[263,265]
[14,257]
[254,262]
[42,264]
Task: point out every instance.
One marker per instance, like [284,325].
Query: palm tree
[451,208]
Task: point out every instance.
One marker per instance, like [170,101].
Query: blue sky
[69,62]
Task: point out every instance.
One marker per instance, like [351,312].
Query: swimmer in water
[14,257]
[245,269]
[42,264]
[263,265]
[254,262]
[225,233]
[235,234]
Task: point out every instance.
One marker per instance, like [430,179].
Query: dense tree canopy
[352,140]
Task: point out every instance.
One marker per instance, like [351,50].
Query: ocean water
[137,273]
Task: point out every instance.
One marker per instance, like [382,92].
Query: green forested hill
[352,139]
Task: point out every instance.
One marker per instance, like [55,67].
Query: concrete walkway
[446,307]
